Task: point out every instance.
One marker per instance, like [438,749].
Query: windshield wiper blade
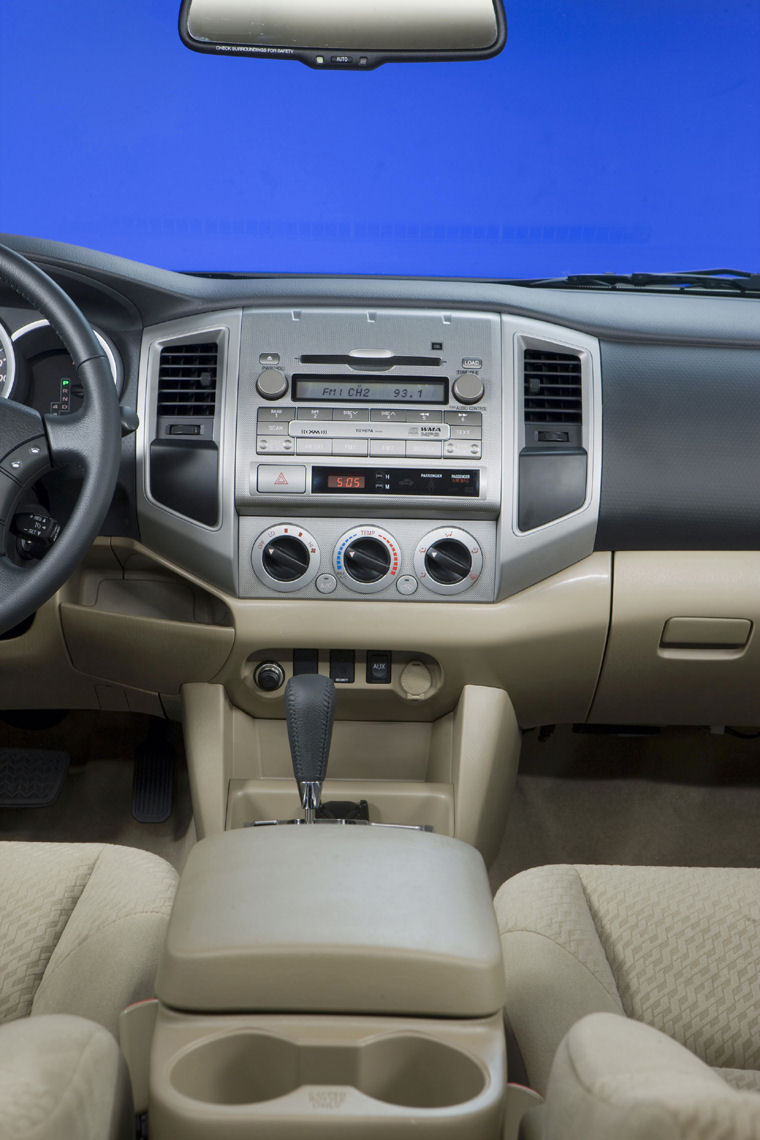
[698,281]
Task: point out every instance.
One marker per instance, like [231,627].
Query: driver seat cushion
[81,928]
[676,948]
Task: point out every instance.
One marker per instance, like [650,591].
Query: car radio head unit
[397,407]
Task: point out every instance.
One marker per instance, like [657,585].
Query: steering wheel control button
[274,479]
[327,583]
[269,676]
[366,559]
[342,666]
[271,384]
[285,557]
[468,389]
[378,668]
[407,584]
[448,560]
[28,462]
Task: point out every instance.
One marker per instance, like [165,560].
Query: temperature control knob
[367,559]
[448,560]
[285,557]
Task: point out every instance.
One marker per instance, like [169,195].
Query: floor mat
[681,797]
[95,804]
[31,777]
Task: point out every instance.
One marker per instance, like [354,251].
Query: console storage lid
[333,919]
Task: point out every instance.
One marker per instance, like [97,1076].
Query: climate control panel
[408,561]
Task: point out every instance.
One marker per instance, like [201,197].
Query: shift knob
[309,711]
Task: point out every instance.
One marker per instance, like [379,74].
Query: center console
[330,981]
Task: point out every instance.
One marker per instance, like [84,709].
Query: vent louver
[187,376]
[553,389]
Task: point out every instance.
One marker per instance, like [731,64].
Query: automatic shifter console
[310,711]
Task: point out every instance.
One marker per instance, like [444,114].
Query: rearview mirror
[346,34]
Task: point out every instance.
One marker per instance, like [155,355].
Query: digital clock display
[346,482]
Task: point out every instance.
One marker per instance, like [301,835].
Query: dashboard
[584,462]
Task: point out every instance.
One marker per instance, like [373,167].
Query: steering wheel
[31,444]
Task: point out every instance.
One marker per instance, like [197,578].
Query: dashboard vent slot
[553,387]
[187,376]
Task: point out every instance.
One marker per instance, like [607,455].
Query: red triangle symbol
[281,481]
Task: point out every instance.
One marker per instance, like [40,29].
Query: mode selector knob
[448,561]
[272,384]
[468,389]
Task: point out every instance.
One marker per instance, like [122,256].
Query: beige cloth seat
[616,1079]
[81,929]
[675,948]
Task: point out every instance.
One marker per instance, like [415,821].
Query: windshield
[605,138]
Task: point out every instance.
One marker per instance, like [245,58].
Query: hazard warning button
[280,479]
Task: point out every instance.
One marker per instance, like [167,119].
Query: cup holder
[406,1070]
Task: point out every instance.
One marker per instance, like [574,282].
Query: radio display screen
[401,390]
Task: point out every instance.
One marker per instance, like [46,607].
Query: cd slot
[369,361]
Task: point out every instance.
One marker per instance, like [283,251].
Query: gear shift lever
[309,710]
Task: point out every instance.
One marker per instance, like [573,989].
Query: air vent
[187,379]
[553,392]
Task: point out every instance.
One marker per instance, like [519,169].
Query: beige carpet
[96,800]
[682,797]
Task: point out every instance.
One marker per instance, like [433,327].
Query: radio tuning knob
[272,384]
[468,388]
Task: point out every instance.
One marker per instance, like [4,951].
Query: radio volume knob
[272,384]
[448,561]
[468,389]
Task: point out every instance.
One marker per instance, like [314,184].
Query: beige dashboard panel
[682,647]
[543,646]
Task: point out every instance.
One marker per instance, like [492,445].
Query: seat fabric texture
[676,948]
[613,1077]
[81,928]
[62,1077]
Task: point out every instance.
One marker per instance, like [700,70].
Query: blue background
[608,136]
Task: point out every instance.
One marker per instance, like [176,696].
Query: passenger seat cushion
[81,928]
[674,947]
[616,1077]
[62,1077]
